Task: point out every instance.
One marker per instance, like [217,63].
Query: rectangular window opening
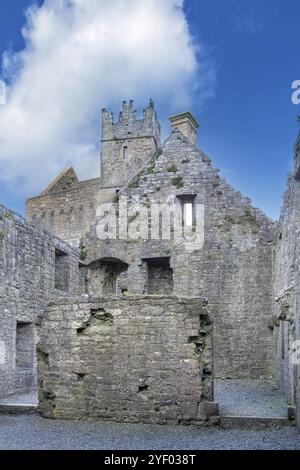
[187,203]
[62,271]
[160,276]
[188,214]
[25,346]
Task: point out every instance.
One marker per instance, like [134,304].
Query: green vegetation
[5,215]
[248,219]
[151,169]
[172,169]
[177,181]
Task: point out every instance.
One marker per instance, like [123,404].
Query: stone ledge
[247,422]
[17,409]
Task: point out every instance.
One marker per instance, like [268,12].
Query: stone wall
[27,283]
[286,259]
[286,277]
[233,268]
[68,213]
[137,359]
[67,208]
[127,143]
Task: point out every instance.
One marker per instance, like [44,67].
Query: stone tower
[127,144]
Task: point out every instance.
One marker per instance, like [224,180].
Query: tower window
[125,152]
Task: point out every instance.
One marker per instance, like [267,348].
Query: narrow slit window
[188,214]
[125,152]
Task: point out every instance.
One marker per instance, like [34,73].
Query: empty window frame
[188,214]
[187,203]
[25,346]
[62,271]
[160,276]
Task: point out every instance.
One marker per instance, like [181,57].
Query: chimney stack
[187,124]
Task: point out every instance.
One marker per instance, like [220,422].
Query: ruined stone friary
[115,317]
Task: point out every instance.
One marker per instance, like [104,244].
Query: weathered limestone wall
[67,208]
[127,143]
[243,338]
[286,321]
[68,214]
[27,283]
[232,270]
[137,359]
[286,267]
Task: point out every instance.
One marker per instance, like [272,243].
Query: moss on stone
[177,181]
[172,169]
[82,250]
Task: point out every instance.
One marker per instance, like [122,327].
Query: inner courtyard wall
[27,284]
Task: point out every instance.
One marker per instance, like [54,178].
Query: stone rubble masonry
[68,213]
[286,267]
[233,270]
[127,143]
[27,283]
[146,358]
[67,207]
[137,359]
[187,124]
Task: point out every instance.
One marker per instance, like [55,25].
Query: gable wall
[233,270]
[68,214]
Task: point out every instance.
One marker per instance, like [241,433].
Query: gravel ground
[257,398]
[33,432]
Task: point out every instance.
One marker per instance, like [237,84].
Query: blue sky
[249,126]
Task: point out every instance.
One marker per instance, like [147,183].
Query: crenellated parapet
[129,125]
[127,143]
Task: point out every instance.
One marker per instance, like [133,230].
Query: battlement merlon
[129,126]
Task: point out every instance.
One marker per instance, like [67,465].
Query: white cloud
[80,56]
